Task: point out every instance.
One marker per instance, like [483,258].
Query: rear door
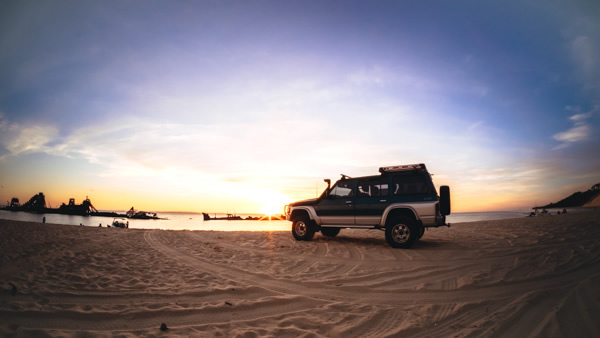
[372,197]
[338,207]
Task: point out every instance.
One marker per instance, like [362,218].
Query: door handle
[382,201]
[348,202]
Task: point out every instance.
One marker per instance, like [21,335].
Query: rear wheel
[330,232]
[401,232]
[421,232]
[302,228]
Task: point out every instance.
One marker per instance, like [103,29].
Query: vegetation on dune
[577,199]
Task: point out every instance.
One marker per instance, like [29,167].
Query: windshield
[342,189]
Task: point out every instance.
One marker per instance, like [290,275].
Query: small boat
[120,223]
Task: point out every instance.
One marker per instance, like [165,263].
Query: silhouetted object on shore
[37,203]
[232,217]
[83,209]
[14,203]
[136,214]
[106,214]
[228,217]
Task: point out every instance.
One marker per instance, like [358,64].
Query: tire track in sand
[143,318]
[322,292]
[322,253]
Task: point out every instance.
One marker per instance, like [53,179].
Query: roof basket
[406,167]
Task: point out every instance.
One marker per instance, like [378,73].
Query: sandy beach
[523,277]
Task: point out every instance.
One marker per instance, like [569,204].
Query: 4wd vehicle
[402,200]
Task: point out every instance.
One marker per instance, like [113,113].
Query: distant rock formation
[590,197]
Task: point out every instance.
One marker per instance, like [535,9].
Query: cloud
[19,139]
[585,52]
[575,134]
[475,126]
[374,76]
[580,117]
[578,133]
[219,150]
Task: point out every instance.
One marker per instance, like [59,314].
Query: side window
[342,189]
[411,185]
[374,187]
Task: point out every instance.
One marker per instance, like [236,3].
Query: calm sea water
[168,221]
[195,221]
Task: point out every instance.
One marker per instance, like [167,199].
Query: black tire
[330,232]
[445,200]
[401,232]
[421,232]
[302,228]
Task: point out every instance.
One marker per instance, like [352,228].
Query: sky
[244,106]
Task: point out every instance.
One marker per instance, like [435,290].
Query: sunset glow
[245,106]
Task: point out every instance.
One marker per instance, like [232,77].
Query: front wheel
[302,228]
[401,232]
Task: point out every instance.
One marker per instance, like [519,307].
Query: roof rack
[406,167]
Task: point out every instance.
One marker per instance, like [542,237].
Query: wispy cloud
[19,139]
[581,130]
[580,117]
[575,134]
[374,76]
[586,53]
[582,35]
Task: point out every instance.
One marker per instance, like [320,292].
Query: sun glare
[269,209]
[272,204]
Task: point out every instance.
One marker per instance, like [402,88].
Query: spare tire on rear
[445,200]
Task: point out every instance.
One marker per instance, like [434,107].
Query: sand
[595,202]
[522,277]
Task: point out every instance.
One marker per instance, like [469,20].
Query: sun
[271,208]
[272,204]
[266,201]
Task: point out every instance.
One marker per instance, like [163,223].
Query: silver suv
[401,200]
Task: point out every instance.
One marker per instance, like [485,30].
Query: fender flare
[312,214]
[396,206]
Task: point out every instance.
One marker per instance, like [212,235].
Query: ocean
[195,221]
